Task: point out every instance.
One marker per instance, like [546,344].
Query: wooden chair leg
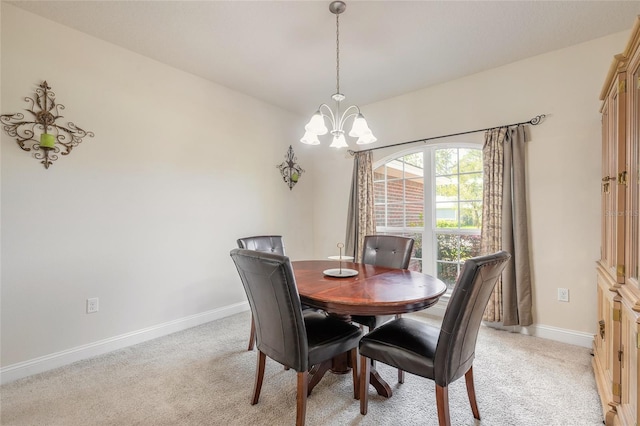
[353,354]
[252,336]
[471,391]
[442,400]
[301,399]
[364,384]
[259,376]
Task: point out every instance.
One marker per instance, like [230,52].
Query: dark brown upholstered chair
[390,251]
[442,354]
[384,250]
[266,243]
[283,333]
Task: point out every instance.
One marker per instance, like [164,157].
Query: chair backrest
[459,330]
[273,296]
[267,243]
[387,250]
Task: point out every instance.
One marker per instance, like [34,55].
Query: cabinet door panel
[628,409]
[607,342]
[632,169]
[613,194]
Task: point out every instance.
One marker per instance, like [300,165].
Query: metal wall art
[289,169]
[54,138]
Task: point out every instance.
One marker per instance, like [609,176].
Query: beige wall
[563,162]
[144,214]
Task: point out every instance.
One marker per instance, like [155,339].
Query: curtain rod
[534,121]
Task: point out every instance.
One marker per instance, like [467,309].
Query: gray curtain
[360,217]
[504,223]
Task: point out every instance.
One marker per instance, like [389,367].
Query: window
[434,195]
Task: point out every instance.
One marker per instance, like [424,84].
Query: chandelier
[316,126]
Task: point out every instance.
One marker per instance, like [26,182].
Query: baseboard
[572,337]
[59,359]
[544,331]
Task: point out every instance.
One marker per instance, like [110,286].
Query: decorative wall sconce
[289,169]
[54,138]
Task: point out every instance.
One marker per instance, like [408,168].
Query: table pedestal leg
[340,364]
[380,385]
[316,373]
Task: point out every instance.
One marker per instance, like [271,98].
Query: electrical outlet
[92,305]
[563,294]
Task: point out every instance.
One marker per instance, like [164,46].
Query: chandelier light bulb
[360,127]
[366,139]
[339,141]
[310,138]
[316,124]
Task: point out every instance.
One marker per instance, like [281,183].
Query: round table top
[375,290]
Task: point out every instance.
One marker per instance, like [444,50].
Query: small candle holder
[44,113]
[290,169]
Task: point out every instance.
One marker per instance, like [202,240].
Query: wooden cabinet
[616,346]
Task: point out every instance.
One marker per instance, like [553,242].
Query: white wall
[144,214]
[563,162]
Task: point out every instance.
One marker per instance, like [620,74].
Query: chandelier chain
[337,53]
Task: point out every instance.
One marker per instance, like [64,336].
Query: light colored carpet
[204,376]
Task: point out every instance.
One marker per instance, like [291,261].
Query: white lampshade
[339,141]
[316,124]
[366,138]
[359,127]
[310,138]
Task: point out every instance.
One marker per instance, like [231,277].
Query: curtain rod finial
[537,119]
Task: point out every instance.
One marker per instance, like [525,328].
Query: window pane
[448,247]
[378,192]
[471,215]
[446,215]
[414,190]
[469,246]
[395,215]
[395,191]
[446,188]
[414,161]
[448,272]
[394,169]
[415,215]
[446,161]
[380,215]
[471,186]
[417,244]
[470,160]
[415,265]
[378,174]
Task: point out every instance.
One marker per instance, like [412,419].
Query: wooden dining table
[372,290]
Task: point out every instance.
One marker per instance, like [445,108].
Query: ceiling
[283,52]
